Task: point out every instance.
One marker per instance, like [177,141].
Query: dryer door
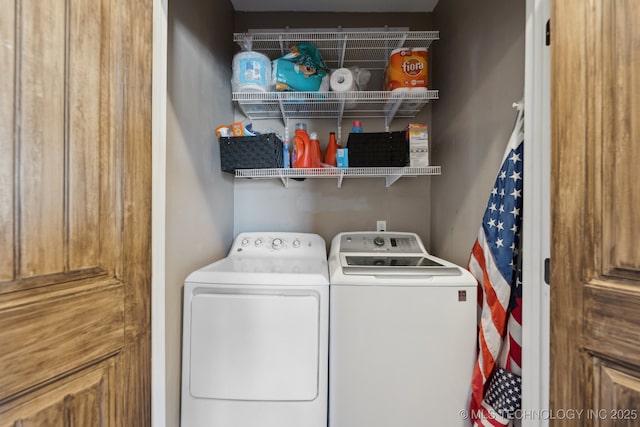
[248,346]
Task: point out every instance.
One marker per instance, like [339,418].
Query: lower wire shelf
[391,174]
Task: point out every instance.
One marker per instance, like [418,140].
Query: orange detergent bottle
[301,142]
[331,150]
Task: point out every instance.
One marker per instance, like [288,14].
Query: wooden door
[75,144]
[595,277]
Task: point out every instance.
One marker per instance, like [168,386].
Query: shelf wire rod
[282,45]
[342,52]
[283,113]
[340,178]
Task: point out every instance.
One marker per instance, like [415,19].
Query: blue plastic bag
[302,69]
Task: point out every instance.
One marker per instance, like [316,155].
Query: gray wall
[199,211]
[317,205]
[479,70]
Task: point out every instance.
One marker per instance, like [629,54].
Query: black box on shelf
[250,152]
[378,149]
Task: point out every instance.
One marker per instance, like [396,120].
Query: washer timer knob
[245,242]
[296,243]
[378,241]
[276,243]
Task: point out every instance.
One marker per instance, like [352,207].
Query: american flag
[494,262]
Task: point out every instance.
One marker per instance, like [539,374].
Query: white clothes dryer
[402,333]
[255,335]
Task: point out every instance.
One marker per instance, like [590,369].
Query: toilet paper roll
[342,80]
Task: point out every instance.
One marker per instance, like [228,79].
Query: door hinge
[547,33]
[547,272]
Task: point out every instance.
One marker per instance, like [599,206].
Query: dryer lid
[263,271]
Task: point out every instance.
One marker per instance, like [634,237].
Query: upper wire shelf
[367,48]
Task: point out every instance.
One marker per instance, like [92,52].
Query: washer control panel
[280,243]
[374,242]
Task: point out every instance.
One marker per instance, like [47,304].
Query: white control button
[245,242]
[258,242]
[276,243]
[296,243]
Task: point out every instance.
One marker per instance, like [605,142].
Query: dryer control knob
[296,243]
[276,243]
[378,241]
[258,242]
[245,242]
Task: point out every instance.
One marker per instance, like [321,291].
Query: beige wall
[479,70]
[199,199]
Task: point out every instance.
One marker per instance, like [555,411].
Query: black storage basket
[378,149]
[250,152]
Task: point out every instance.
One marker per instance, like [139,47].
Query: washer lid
[263,271]
[383,264]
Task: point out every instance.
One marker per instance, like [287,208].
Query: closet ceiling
[334,5]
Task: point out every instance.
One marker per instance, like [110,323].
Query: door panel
[40,57]
[621,133]
[75,197]
[619,393]
[83,399]
[75,333]
[595,277]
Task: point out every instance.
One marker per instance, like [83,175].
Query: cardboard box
[342,157]
[418,137]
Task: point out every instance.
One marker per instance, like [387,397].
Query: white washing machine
[255,337]
[402,333]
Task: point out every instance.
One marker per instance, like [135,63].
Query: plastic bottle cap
[302,126]
[313,135]
[357,123]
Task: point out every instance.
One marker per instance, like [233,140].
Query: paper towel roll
[342,81]
[251,72]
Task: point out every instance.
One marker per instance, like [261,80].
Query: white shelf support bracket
[284,179]
[391,179]
[340,115]
[394,105]
[282,111]
[340,178]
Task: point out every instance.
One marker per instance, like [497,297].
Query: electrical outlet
[381,225]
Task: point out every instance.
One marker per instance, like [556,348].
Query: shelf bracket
[389,180]
[284,179]
[340,114]
[340,178]
[282,110]
[394,104]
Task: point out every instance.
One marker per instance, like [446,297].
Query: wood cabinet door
[595,278]
[75,191]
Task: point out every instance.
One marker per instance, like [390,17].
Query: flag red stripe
[498,314]
[488,359]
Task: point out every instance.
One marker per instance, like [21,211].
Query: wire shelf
[391,174]
[298,105]
[367,48]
